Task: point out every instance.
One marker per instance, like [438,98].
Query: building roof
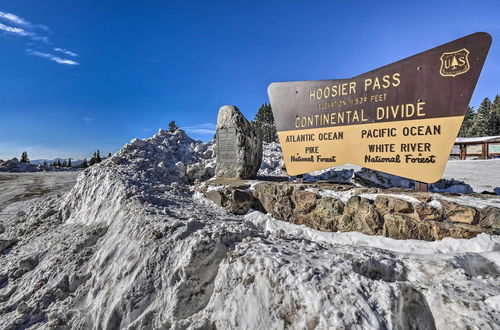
[477,140]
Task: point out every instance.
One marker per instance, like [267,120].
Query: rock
[2,229]
[441,230]
[490,220]
[214,196]
[22,307]
[428,212]
[401,226]
[27,264]
[305,201]
[388,204]
[327,213]
[360,214]
[239,148]
[239,202]
[6,243]
[497,190]
[460,213]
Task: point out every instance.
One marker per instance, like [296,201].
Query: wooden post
[421,186]
[299,178]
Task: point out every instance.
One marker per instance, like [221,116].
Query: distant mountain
[74,162]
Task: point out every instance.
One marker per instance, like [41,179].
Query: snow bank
[14,165]
[272,160]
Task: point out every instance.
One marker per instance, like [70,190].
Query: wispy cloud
[14,30]
[65,51]
[14,19]
[20,27]
[88,119]
[203,129]
[52,57]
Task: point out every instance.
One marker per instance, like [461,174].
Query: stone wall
[399,214]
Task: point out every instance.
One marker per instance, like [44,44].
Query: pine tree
[467,123]
[172,127]
[92,159]
[24,157]
[109,155]
[482,120]
[69,162]
[496,115]
[98,156]
[84,163]
[64,164]
[264,124]
[44,163]
[59,163]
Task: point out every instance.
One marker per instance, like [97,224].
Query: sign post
[401,119]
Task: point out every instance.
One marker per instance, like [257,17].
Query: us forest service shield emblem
[454,63]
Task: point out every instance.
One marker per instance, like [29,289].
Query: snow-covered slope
[130,246]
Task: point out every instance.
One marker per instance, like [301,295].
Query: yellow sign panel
[401,119]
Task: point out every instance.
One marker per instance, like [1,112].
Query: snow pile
[14,165]
[330,175]
[131,247]
[372,178]
[272,160]
[170,157]
[451,186]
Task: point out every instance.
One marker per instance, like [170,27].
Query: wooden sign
[401,119]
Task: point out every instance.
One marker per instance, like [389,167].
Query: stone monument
[238,147]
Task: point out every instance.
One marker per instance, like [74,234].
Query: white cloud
[52,57]
[88,119]
[14,30]
[14,19]
[65,51]
[18,26]
[202,129]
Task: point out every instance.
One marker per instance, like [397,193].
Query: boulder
[360,214]
[214,196]
[428,212]
[402,226]
[238,147]
[490,220]
[387,204]
[239,201]
[460,213]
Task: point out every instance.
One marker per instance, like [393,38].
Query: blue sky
[82,75]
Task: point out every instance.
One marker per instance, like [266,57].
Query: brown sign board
[401,119]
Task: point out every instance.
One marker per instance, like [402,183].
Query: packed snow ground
[131,246]
[22,186]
